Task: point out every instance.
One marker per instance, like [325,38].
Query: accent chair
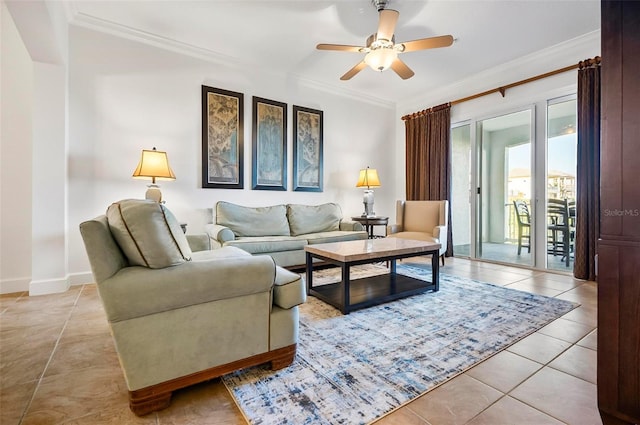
[423,221]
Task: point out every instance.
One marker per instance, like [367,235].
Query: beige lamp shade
[154,164]
[369,178]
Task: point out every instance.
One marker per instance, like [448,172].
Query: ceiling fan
[381,49]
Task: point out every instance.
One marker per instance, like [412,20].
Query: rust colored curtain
[428,159]
[588,170]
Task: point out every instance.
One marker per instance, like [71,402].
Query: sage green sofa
[281,231]
[180,316]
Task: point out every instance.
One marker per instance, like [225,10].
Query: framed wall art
[269,159]
[307,149]
[222,138]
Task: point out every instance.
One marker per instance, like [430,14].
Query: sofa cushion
[148,233]
[253,221]
[305,219]
[219,253]
[335,236]
[268,244]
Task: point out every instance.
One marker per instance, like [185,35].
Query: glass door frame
[472,171]
[541,183]
[476,204]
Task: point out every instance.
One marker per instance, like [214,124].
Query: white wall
[49,185]
[126,96]
[16,96]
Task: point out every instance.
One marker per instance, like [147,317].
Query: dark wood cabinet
[619,243]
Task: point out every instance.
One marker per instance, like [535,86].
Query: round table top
[371,220]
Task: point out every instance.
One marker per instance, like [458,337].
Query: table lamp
[369,178]
[154,164]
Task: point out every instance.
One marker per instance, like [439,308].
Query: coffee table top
[370,249]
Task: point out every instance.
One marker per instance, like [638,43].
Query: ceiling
[280,36]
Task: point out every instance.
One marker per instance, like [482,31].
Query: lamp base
[368,204]
[153,193]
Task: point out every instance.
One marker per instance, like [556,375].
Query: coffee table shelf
[369,291]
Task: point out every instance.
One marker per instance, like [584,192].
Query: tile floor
[58,366]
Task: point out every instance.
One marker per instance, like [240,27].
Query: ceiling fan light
[380,59]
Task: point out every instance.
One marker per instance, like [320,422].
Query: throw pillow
[148,233]
[304,219]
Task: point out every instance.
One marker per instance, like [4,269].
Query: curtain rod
[503,89]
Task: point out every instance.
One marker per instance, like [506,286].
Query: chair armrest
[440,233]
[220,234]
[139,291]
[289,289]
[200,242]
[348,225]
[394,228]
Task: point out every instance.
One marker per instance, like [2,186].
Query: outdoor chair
[524,225]
[559,236]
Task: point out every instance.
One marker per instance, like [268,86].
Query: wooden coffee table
[349,295]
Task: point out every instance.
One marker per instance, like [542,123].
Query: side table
[369,222]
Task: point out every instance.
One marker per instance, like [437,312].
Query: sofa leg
[145,405]
[442,256]
[285,359]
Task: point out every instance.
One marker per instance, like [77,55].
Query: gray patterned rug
[356,368]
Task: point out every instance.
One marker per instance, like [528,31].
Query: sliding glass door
[562,142]
[509,169]
[504,188]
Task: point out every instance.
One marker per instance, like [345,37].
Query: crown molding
[101,25]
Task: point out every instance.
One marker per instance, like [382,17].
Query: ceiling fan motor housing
[379,4]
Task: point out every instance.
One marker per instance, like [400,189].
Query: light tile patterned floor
[58,365]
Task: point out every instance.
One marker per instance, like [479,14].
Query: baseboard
[81,278]
[43,287]
[53,286]
[10,286]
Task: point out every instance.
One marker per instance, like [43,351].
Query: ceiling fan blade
[353,71]
[427,43]
[402,69]
[387,23]
[339,47]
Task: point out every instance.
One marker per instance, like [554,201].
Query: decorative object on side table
[222,138]
[154,164]
[368,178]
[269,145]
[307,149]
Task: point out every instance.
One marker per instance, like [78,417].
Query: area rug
[353,369]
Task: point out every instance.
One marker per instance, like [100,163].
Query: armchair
[421,220]
[213,312]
